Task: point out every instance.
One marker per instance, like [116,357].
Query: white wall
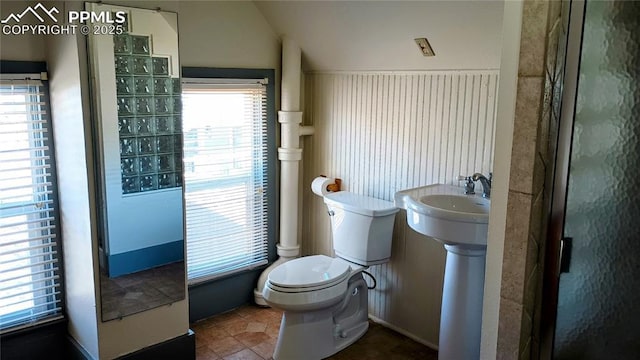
[20,47]
[226,34]
[379,35]
[231,34]
[502,162]
[382,133]
[73,153]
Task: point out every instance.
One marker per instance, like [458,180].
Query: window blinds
[225,178]
[29,270]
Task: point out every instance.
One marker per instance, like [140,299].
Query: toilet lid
[309,271]
[360,204]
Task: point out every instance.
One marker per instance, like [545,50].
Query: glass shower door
[598,312]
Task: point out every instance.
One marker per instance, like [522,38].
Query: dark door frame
[551,276]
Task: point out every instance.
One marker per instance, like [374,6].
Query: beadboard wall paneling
[384,132]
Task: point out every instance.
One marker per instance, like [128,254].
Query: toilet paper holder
[335,186]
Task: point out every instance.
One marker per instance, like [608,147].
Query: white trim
[38,76]
[223,81]
[507,91]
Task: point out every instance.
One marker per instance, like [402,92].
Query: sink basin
[456,207]
[446,214]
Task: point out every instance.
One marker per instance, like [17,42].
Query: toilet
[324,299]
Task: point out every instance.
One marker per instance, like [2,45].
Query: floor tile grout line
[380,341]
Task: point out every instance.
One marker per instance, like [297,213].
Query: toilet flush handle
[331,212]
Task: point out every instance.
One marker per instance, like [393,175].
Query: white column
[290,155]
[461,314]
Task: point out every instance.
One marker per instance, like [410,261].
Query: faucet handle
[469,186]
[486,183]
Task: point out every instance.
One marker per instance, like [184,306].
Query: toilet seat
[309,273]
[310,282]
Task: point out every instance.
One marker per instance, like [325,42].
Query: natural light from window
[28,263]
[14,228]
[224,180]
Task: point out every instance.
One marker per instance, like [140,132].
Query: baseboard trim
[76,351]
[146,258]
[182,347]
[403,332]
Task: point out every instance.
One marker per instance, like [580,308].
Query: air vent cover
[425,47]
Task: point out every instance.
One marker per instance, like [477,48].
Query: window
[148,102]
[226,175]
[29,266]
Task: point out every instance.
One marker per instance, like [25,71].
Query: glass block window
[149,116]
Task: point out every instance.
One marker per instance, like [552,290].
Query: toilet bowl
[324,299]
[309,283]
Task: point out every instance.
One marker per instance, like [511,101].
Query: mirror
[138,141]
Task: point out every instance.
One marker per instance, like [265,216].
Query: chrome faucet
[486,183]
[469,185]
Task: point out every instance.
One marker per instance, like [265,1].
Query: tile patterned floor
[132,293]
[250,333]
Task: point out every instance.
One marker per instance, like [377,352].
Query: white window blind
[225,178]
[29,273]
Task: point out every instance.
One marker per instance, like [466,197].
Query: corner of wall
[509,63]
[77,225]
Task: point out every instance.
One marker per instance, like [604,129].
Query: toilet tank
[362,227]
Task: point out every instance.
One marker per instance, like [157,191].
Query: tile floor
[132,293]
[250,333]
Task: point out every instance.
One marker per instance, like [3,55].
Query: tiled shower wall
[385,132]
[540,77]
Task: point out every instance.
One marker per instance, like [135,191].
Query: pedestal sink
[460,222]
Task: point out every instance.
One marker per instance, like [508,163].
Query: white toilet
[325,299]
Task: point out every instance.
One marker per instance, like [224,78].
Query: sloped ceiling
[379,35]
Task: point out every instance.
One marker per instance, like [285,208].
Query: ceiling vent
[425,48]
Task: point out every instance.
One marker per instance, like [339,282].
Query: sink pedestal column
[461,314]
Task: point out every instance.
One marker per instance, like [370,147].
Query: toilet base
[314,335]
